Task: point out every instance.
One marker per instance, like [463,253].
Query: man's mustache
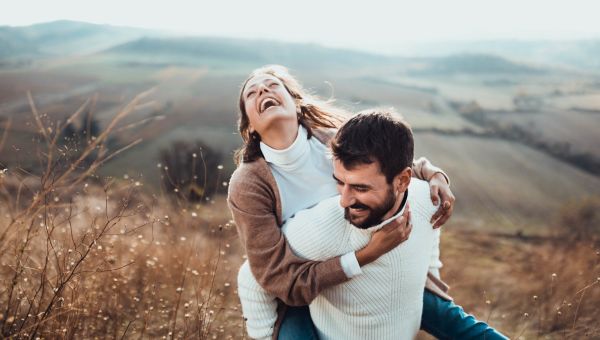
[358,206]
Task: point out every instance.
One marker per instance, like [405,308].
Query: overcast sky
[344,23]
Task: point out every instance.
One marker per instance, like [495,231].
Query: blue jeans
[442,319]
[297,325]
[445,320]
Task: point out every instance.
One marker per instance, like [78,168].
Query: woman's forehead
[260,78]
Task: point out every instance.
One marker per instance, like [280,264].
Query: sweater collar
[290,155]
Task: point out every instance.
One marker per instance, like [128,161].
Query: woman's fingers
[435,194]
[446,208]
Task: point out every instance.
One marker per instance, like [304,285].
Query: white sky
[370,23]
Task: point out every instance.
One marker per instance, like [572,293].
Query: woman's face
[267,101]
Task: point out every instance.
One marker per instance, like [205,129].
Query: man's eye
[273,85]
[249,94]
[361,189]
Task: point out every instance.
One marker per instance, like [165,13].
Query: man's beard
[376,213]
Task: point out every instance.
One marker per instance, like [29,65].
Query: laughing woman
[283,168]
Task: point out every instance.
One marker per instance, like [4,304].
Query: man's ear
[402,180]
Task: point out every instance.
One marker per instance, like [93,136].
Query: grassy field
[504,185]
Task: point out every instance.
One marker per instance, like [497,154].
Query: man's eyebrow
[362,186]
[249,87]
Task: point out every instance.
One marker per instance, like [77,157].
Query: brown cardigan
[256,208]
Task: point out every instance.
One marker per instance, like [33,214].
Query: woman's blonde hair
[313,113]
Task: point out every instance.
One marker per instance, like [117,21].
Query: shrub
[191,171]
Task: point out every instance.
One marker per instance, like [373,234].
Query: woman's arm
[439,186]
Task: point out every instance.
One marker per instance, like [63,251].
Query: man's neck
[396,210]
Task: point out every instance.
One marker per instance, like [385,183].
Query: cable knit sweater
[385,302]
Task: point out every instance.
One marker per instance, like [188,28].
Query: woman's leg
[446,320]
[297,325]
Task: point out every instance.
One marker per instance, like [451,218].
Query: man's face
[365,194]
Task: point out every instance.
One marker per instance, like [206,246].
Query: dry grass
[86,257]
[525,287]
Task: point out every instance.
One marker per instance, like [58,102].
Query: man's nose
[346,197]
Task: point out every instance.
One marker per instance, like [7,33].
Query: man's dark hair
[381,136]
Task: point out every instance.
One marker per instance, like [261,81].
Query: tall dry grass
[530,287]
[89,257]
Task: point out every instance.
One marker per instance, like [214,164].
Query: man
[372,157]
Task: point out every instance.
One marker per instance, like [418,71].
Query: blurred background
[504,96]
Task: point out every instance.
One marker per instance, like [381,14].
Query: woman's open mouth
[268,103]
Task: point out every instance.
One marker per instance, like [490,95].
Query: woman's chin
[277,119]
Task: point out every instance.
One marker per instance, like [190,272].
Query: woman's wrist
[440,176]
[365,256]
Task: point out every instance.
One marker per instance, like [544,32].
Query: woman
[280,173]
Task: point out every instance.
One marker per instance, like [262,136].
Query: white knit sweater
[385,302]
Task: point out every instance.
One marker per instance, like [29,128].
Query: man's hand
[386,238]
[440,191]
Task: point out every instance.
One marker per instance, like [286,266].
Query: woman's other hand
[386,238]
[440,191]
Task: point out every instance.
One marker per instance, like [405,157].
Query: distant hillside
[473,64]
[581,54]
[60,38]
[199,49]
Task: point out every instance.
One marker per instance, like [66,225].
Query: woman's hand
[440,190]
[386,238]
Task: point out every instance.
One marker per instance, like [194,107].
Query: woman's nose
[262,88]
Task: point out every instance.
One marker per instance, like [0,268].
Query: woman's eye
[249,94]
[273,85]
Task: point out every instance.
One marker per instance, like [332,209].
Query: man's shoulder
[322,218]
[327,207]
[318,232]
[420,198]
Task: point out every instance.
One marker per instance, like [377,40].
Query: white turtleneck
[304,176]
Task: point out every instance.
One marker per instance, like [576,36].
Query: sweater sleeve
[294,280]
[424,170]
